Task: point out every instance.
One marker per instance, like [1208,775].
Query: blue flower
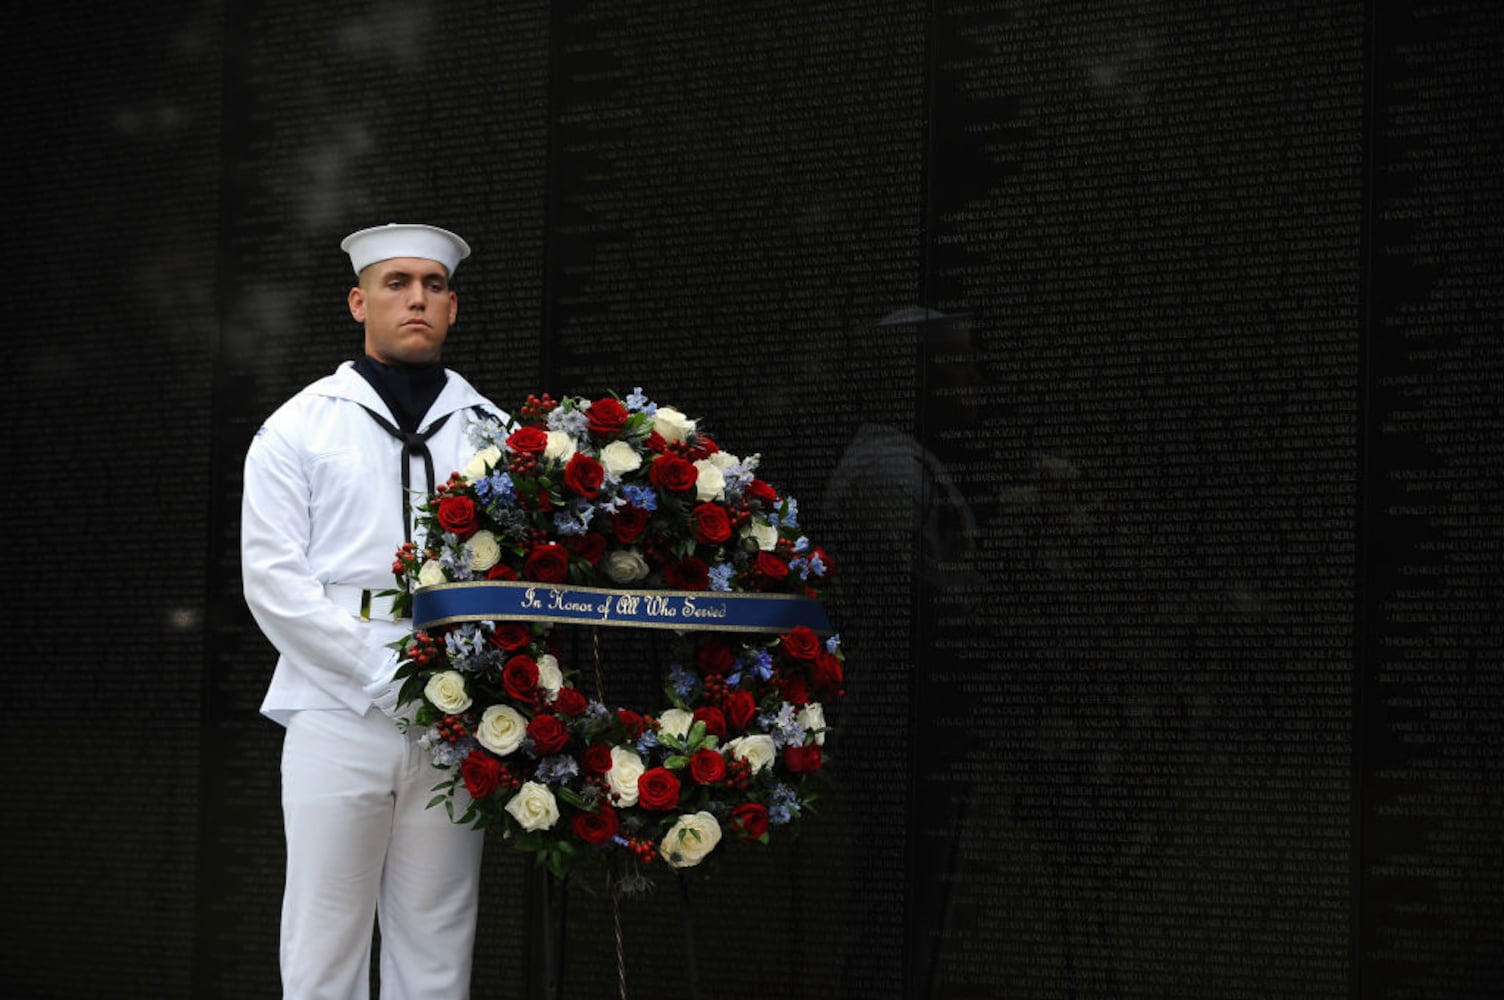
[557,768]
[642,497]
[683,682]
[833,643]
[763,665]
[783,726]
[571,422]
[496,490]
[452,557]
[720,576]
[787,516]
[637,401]
[575,520]
[783,805]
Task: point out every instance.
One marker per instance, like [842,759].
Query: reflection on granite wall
[1139,362]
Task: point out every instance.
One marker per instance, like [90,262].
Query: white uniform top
[321,509]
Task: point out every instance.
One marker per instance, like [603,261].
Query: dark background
[1140,363]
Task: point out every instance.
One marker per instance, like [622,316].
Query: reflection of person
[326,504]
[897,500]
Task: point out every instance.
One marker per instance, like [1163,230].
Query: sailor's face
[407,307]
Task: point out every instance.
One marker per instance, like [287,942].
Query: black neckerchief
[407,390]
[408,393]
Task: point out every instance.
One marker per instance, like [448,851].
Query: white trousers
[362,846]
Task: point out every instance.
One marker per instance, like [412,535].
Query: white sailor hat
[398,239]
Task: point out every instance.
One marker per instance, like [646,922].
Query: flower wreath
[616,511]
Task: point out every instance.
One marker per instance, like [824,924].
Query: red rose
[740,706]
[583,474]
[707,766]
[687,574]
[510,636]
[597,827]
[793,691]
[596,759]
[655,443]
[528,440]
[704,447]
[673,474]
[520,678]
[711,523]
[482,773]
[633,723]
[589,546]
[802,760]
[627,523]
[715,657]
[761,491]
[714,719]
[801,643]
[570,702]
[548,733]
[501,571]
[657,789]
[457,514]
[827,675]
[547,563]
[606,417]
[770,569]
[750,819]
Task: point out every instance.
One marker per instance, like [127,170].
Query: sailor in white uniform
[330,480]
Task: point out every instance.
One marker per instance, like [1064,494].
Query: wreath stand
[552,893]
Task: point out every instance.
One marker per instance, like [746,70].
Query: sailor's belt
[364,602]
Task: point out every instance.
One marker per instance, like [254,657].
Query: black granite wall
[1140,363]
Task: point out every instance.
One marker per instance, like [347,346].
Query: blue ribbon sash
[685,610]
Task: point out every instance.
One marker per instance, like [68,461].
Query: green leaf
[676,762]
[436,799]
[572,797]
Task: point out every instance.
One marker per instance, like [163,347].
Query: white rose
[812,716]
[676,722]
[476,468]
[761,532]
[482,551]
[447,692]
[690,839]
[755,750]
[534,807]
[710,484]
[550,678]
[626,768]
[431,573]
[723,460]
[619,458]
[626,566]
[560,446]
[672,425]
[501,729]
